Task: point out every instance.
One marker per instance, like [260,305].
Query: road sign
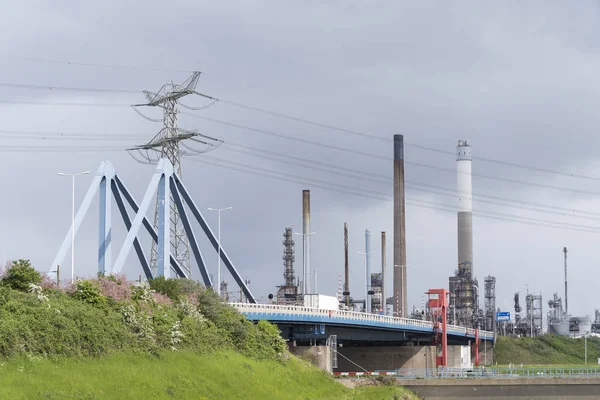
[503,316]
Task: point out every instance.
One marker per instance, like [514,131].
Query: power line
[291,118]
[427,148]
[303,162]
[380,157]
[379,196]
[385,180]
[17,134]
[73,89]
[57,149]
[82,64]
[288,117]
[417,203]
[62,104]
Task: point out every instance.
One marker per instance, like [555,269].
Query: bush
[59,327]
[258,341]
[20,275]
[169,287]
[90,293]
[109,314]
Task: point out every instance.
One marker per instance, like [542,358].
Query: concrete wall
[486,354]
[504,389]
[385,358]
[321,354]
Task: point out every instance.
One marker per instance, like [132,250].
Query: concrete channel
[505,389]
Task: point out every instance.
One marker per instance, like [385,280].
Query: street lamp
[73,221]
[219,251]
[305,260]
[585,344]
[366,278]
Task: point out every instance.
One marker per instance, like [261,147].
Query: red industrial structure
[476,345]
[437,303]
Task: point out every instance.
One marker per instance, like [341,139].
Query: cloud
[517,81]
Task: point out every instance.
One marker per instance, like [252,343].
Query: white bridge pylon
[166,182]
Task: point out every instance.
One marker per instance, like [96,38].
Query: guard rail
[354,316]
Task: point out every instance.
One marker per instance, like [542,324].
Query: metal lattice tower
[534,314]
[168,143]
[288,257]
[490,303]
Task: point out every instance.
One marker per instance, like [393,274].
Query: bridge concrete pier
[385,358]
[389,358]
[486,354]
[319,355]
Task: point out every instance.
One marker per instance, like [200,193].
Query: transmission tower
[168,143]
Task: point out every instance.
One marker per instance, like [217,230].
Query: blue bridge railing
[308,314]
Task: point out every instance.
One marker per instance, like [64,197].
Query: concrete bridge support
[318,355]
[486,354]
[388,358]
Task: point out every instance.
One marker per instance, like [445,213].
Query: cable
[296,119]
[81,64]
[24,135]
[387,181]
[280,115]
[377,178]
[416,202]
[408,144]
[379,157]
[59,104]
[59,149]
[75,89]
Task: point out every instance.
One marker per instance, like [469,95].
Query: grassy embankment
[225,375]
[108,338]
[547,350]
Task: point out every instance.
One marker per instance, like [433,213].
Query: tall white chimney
[465,205]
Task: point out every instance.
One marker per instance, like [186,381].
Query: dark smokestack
[346,267]
[305,239]
[400,298]
[383,305]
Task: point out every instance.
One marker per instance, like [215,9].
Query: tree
[20,275]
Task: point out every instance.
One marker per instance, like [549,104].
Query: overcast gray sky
[519,81]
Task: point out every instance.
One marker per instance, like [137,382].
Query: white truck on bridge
[321,301]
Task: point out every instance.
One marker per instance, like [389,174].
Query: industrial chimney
[306,241]
[383,259]
[465,206]
[346,267]
[399,295]
[368,307]
[566,298]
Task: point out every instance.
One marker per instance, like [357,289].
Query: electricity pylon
[167,144]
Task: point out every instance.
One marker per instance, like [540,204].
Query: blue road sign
[503,316]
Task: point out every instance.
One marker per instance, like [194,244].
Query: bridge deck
[272,312]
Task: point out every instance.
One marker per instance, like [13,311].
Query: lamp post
[219,251]
[73,220]
[585,345]
[305,261]
[366,278]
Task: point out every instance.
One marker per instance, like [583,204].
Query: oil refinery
[464,307]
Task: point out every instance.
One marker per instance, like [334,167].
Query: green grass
[546,350]
[225,375]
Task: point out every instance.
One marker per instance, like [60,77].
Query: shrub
[114,287]
[21,274]
[169,287]
[88,292]
[64,328]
